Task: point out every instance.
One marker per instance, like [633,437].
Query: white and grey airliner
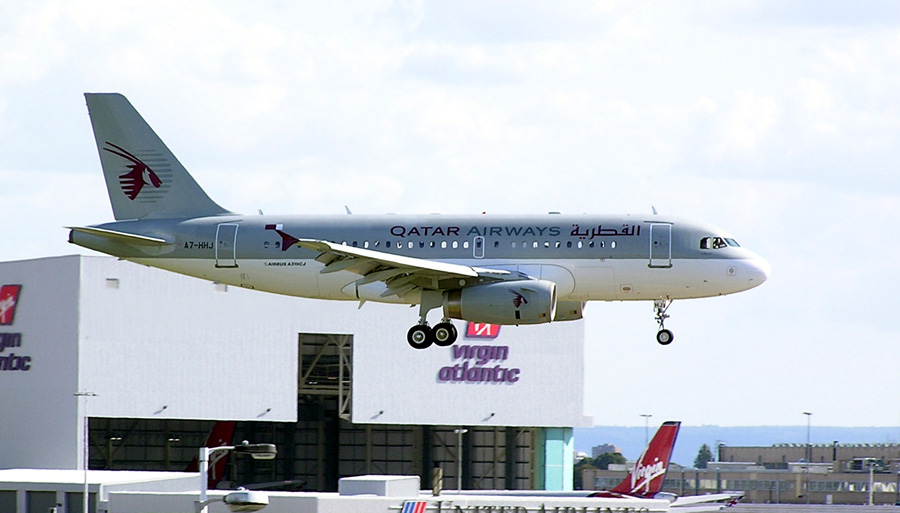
[498,269]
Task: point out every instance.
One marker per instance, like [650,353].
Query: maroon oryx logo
[519,300]
[286,240]
[133,181]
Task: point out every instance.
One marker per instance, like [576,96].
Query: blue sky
[777,121]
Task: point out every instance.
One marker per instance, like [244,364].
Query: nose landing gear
[663,336]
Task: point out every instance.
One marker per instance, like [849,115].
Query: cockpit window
[717,243]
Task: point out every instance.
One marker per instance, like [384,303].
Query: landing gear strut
[663,336]
[421,335]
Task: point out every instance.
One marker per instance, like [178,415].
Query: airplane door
[226,240]
[478,247]
[660,245]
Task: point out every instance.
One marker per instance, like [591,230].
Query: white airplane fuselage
[584,265]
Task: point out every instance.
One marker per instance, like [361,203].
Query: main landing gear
[443,334]
[422,336]
[663,336]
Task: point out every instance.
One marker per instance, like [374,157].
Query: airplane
[647,475]
[496,269]
[645,480]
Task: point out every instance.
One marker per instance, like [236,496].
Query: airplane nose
[757,270]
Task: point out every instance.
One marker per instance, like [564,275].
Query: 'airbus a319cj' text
[505,270]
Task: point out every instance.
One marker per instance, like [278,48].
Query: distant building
[842,457]
[597,450]
[836,474]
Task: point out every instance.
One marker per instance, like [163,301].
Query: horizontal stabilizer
[129,238]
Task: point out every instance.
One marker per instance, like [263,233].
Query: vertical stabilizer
[143,178]
[646,478]
[221,434]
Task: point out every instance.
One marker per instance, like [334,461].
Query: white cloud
[815,95]
[750,120]
[32,46]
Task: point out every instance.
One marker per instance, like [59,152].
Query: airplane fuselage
[588,257]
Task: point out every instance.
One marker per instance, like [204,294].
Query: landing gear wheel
[420,336]
[444,334]
[664,337]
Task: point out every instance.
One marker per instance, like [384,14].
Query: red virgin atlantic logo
[9,297]
[140,175]
[519,300]
[482,330]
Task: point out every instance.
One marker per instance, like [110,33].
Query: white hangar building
[154,360]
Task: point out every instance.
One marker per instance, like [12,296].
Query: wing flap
[391,260]
[382,275]
[401,275]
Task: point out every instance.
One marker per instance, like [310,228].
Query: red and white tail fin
[221,434]
[646,478]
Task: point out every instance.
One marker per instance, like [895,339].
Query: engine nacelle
[504,302]
[569,311]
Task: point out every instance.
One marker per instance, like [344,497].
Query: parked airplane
[646,477]
[645,481]
[485,268]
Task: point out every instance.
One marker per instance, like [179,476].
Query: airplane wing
[702,503]
[401,274]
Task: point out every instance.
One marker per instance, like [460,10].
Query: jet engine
[569,311]
[505,302]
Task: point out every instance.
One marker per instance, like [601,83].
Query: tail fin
[143,178]
[646,478]
[221,434]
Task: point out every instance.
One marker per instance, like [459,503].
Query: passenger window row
[464,245]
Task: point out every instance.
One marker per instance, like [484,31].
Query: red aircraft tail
[646,478]
[220,434]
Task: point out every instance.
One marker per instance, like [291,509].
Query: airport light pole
[256,451]
[459,433]
[871,464]
[87,444]
[808,452]
[646,428]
